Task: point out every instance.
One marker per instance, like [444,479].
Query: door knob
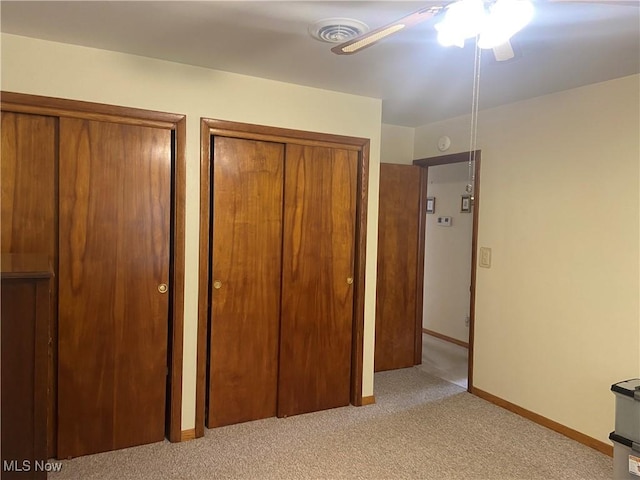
[349,280]
[162,288]
[217,284]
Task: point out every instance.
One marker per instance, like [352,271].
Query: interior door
[28,212]
[317,276]
[115,210]
[28,179]
[397,293]
[245,287]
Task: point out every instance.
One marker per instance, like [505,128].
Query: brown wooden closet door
[397,283]
[245,290]
[28,177]
[317,291]
[115,209]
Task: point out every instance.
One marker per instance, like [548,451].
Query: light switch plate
[444,221]
[485,257]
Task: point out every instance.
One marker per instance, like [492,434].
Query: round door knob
[217,284]
[162,288]
[349,280]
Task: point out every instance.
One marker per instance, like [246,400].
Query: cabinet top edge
[25,265]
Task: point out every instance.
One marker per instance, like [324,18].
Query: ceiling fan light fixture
[463,19]
[506,18]
[503,52]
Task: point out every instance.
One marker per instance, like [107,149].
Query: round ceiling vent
[337,30]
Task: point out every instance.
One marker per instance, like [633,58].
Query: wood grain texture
[397,282]
[474,265]
[177,272]
[61,107]
[318,258]
[25,318]
[357,342]
[210,127]
[28,179]
[115,204]
[57,107]
[446,338]
[29,212]
[283,135]
[25,265]
[546,422]
[422,221]
[187,435]
[204,266]
[245,310]
[446,159]
[370,400]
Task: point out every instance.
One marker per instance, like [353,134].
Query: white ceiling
[565,46]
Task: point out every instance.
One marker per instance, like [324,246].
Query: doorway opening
[445,352]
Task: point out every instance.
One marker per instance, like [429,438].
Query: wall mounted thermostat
[444,221]
[444,143]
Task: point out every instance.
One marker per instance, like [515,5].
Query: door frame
[58,107]
[446,160]
[212,127]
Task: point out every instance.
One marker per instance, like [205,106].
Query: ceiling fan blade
[503,52]
[370,38]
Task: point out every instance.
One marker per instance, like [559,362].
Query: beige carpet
[420,428]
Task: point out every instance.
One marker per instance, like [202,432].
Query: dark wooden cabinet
[25,283]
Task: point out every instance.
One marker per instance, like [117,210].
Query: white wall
[60,70]
[396,144]
[447,259]
[557,315]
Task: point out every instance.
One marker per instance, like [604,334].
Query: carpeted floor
[420,428]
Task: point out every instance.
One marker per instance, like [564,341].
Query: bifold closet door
[28,177]
[114,233]
[317,278]
[397,284]
[245,286]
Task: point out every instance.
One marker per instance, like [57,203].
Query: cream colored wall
[557,314]
[447,259]
[396,144]
[66,71]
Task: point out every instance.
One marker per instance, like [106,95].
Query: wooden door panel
[28,178]
[28,211]
[397,282]
[115,209]
[317,299]
[246,260]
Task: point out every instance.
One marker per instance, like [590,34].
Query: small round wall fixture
[444,143]
[337,30]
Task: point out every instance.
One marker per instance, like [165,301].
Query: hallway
[444,360]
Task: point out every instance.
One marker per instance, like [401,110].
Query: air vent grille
[337,30]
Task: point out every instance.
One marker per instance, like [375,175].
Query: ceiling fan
[494,22]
